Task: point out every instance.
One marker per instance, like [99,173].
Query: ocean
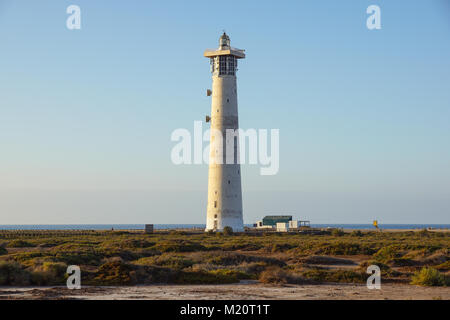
[189,226]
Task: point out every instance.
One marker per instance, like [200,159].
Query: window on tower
[231,61]
[211,61]
[222,65]
[225,65]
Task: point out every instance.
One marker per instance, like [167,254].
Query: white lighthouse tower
[224,180]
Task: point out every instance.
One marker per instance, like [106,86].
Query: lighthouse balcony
[238,53]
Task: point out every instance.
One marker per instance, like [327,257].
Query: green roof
[278,217]
[272,220]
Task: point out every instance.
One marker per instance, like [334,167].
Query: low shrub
[280,247]
[3,251]
[325,260]
[49,273]
[130,244]
[202,277]
[386,271]
[167,260]
[26,256]
[20,244]
[116,273]
[443,266]
[383,267]
[343,248]
[356,233]
[424,233]
[179,246]
[58,269]
[345,276]
[177,233]
[79,258]
[402,262]
[50,243]
[154,274]
[253,268]
[239,275]
[429,277]
[337,232]
[12,274]
[231,258]
[117,252]
[243,246]
[279,276]
[386,254]
[436,258]
[227,231]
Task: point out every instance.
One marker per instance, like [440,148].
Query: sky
[86,115]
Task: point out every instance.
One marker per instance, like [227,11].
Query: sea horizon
[192,226]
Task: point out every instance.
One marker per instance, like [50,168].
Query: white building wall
[224,180]
[294,224]
[282,226]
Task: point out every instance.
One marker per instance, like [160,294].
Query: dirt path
[248,291]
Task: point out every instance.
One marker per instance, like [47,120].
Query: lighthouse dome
[224,41]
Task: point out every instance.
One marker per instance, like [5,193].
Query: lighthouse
[224,206]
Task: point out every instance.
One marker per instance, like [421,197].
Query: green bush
[130,244]
[424,233]
[12,274]
[49,243]
[115,273]
[167,260]
[383,267]
[443,266]
[123,254]
[274,275]
[179,246]
[244,246]
[154,274]
[238,275]
[386,271]
[58,269]
[228,231]
[20,244]
[343,248]
[79,258]
[429,277]
[346,276]
[49,273]
[279,276]
[232,258]
[26,256]
[356,233]
[202,277]
[402,262]
[280,247]
[3,251]
[337,233]
[386,254]
[253,268]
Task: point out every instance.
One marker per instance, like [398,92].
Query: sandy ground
[242,291]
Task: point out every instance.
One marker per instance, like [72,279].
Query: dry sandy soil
[242,291]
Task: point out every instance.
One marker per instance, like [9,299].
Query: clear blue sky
[86,115]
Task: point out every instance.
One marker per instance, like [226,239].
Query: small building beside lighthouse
[224,206]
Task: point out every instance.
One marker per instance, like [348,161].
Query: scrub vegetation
[129,258]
